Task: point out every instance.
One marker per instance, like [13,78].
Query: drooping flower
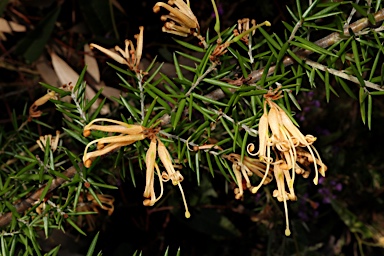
[129,134]
[130,56]
[171,174]
[150,161]
[291,150]
[281,194]
[181,15]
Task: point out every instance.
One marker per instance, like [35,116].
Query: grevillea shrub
[228,148]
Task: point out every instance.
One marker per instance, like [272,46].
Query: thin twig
[324,43]
[350,16]
[198,80]
[142,96]
[188,143]
[81,112]
[342,74]
[295,29]
[250,131]
[9,139]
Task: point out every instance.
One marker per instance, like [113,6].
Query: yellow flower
[181,15]
[129,56]
[129,134]
[119,127]
[170,174]
[292,150]
[150,161]
[180,21]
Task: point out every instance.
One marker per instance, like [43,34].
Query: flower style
[182,21]
[244,169]
[129,134]
[130,56]
[292,150]
[280,193]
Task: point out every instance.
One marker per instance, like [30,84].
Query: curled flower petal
[236,171]
[263,136]
[115,142]
[120,127]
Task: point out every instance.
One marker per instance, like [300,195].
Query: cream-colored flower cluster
[127,135]
[182,21]
[170,174]
[283,147]
[53,141]
[283,150]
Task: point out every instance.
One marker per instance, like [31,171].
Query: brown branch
[327,41]
[324,42]
[21,207]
